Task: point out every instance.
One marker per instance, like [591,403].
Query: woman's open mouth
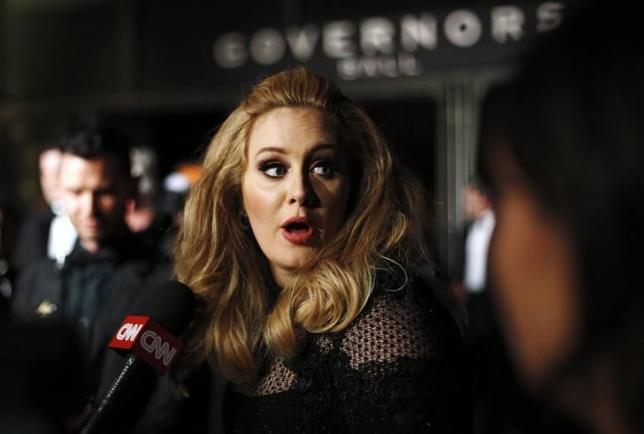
[298,230]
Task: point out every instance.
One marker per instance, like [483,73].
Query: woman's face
[533,277]
[295,187]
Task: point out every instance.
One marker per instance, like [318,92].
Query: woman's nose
[301,191]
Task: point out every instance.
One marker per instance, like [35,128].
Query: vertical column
[128,41]
[458,109]
[4,34]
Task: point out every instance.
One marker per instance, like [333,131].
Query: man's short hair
[100,142]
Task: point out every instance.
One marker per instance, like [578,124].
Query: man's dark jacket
[91,292]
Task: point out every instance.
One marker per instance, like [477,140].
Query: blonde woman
[304,243]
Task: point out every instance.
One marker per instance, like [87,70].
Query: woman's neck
[282,277]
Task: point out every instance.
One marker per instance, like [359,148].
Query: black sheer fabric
[397,368]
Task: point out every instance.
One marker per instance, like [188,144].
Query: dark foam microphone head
[171,304]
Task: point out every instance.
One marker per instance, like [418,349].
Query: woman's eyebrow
[277,149]
[281,150]
[324,146]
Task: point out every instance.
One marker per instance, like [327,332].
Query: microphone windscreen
[171,304]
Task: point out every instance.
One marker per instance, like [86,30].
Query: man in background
[498,402]
[479,212]
[107,259]
[45,233]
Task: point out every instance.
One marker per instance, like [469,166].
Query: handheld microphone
[148,337]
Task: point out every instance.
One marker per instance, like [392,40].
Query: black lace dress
[397,368]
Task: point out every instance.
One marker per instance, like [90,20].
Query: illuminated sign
[383,46]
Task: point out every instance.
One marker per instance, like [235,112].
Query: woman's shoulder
[403,319]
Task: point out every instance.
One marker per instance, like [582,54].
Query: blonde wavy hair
[241,319]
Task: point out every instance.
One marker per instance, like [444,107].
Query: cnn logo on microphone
[146,339]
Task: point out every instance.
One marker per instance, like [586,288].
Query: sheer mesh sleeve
[393,372]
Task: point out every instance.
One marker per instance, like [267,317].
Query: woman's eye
[273,169]
[324,168]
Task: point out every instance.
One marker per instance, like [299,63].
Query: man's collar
[121,248]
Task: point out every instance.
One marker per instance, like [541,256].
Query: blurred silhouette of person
[498,402]
[564,160]
[107,259]
[477,240]
[142,210]
[41,370]
[6,285]
[470,273]
[146,214]
[48,232]
[62,234]
[48,169]
[41,375]
[176,187]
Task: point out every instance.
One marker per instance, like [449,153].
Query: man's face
[95,194]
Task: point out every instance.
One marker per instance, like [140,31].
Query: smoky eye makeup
[272,167]
[326,161]
[326,168]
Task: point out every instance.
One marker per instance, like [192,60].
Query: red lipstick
[297,230]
